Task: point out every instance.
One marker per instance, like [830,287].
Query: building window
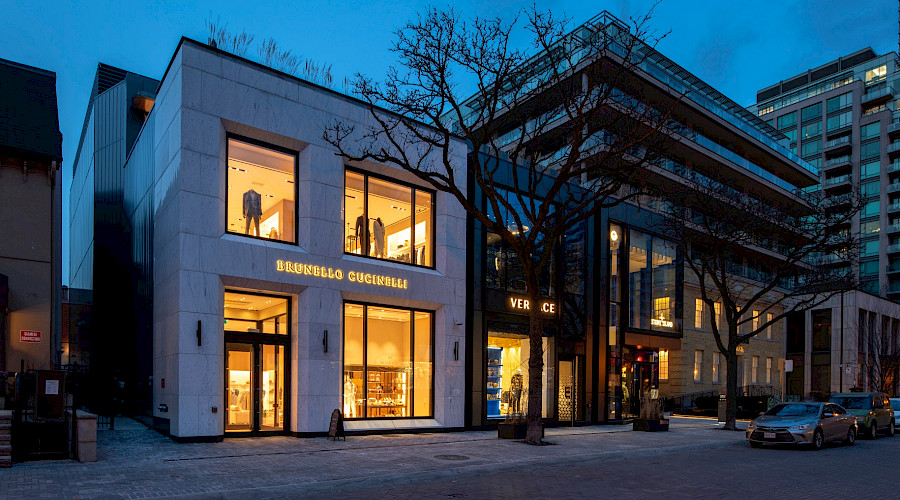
[651,272]
[839,121]
[869,249]
[261,192]
[506,377]
[770,318]
[839,102]
[811,147]
[698,313]
[869,131]
[387,220]
[810,112]
[790,134]
[870,150]
[388,355]
[869,170]
[768,371]
[870,189]
[698,366]
[755,319]
[869,269]
[812,130]
[876,74]
[788,120]
[717,306]
[754,370]
[716,366]
[664,364]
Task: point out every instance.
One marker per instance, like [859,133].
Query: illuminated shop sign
[339,274]
[524,305]
[662,322]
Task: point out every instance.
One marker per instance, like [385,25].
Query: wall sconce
[456,351]
[325,341]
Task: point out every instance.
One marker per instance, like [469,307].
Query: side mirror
[827,414]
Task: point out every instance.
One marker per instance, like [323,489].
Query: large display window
[506,377]
[388,359]
[256,371]
[388,220]
[262,196]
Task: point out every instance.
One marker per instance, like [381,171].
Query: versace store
[611,304]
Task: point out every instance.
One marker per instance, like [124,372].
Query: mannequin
[515,391]
[252,210]
[349,398]
[378,232]
[362,234]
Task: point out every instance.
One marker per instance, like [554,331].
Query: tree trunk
[731,389]
[535,432]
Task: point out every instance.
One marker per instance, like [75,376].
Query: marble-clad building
[284,282]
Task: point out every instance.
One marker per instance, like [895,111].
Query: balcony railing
[885,93]
[893,207]
[893,187]
[893,228]
[893,147]
[895,248]
[841,179]
[894,166]
[836,162]
[840,141]
[893,128]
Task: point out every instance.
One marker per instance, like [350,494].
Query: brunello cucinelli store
[644,313]
[498,358]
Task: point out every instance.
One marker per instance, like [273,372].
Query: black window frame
[365,345]
[255,339]
[296,154]
[366,174]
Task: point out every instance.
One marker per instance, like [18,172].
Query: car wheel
[818,440]
[754,444]
[872,431]
[891,430]
[851,437]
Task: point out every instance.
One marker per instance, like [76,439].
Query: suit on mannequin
[252,210]
[362,234]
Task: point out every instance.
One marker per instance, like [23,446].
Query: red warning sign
[29,336]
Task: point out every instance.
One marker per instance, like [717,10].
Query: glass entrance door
[569,395]
[254,377]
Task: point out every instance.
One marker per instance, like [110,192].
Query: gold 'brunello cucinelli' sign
[339,274]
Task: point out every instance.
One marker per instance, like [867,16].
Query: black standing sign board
[336,428]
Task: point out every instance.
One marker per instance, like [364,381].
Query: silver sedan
[811,424]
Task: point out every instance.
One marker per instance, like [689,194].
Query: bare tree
[879,355]
[760,258]
[572,120]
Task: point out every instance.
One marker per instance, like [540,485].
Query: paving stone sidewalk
[135,462]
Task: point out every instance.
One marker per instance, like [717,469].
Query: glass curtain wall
[388,362]
[388,220]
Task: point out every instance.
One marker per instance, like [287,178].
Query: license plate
[768,435]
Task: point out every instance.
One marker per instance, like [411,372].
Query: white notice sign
[51,387]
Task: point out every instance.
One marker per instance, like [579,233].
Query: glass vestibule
[388,355]
[256,368]
[261,198]
[388,220]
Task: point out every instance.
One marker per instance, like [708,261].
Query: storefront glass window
[652,283]
[506,388]
[638,281]
[388,356]
[388,220]
[261,192]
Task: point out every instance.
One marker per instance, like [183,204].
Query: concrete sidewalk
[135,462]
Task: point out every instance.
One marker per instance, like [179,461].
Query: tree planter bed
[513,431]
[654,425]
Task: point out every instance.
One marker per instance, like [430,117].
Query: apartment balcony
[893,207]
[893,269]
[893,148]
[893,129]
[893,228]
[893,187]
[840,180]
[839,144]
[838,131]
[840,161]
[893,166]
[895,248]
[884,94]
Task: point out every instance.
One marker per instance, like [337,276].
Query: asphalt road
[866,470]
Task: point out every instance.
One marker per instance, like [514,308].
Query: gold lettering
[330,273]
[279,265]
[307,269]
[368,279]
[289,267]
[404,284]
[340,274]
[381,280]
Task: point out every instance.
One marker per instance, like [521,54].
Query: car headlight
[798,427]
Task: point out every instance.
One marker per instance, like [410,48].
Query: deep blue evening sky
[737,47]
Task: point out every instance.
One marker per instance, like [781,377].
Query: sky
[738,47]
